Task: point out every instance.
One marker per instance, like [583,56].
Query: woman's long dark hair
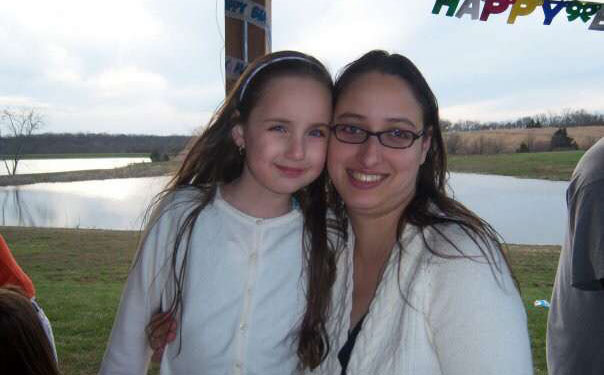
[213,159]
[431,207]
[24,345]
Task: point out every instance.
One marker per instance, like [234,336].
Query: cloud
[341,30]
[129,80]
[84,21]
[151,66]
[526,103]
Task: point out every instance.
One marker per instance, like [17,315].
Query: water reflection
[14,207]
[26,166]
[106,204]
[523,211]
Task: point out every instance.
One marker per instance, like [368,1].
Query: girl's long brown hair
[213,159]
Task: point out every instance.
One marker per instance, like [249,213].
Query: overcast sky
[157,67]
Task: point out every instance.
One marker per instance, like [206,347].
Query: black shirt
[346,351]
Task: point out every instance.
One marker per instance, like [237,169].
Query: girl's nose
[296,148]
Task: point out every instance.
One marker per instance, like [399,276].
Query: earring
[241,150]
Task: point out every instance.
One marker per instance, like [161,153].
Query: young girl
[236,247]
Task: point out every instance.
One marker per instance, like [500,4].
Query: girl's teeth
[366,177]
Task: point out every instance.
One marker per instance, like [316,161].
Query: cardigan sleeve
[128,351]
[476,317]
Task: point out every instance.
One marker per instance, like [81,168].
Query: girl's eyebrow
[277,119]
[286,121]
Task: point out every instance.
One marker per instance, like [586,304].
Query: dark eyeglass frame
[368,133]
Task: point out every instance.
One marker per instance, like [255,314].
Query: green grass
[79,275]
[535,269]
[556,165]
[81,156]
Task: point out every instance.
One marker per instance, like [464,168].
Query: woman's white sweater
[462,316]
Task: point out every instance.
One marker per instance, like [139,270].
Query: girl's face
[370,177]
[285,137]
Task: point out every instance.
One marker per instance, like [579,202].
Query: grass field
[541,165]
[79,275]
[508,140]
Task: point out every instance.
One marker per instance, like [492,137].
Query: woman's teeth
[366,177]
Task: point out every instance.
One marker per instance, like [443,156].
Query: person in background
[12,275]
[24,345]
[575,327]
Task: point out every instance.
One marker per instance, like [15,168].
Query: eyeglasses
[395,138]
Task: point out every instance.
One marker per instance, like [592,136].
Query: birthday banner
[575,10]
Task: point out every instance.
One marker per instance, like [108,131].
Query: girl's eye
[318,132]
[278,128]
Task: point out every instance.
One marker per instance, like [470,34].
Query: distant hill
[51,143]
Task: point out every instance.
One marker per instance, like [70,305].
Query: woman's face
[370,177]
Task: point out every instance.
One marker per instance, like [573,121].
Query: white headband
[262,66]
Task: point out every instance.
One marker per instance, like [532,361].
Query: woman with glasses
[423,285]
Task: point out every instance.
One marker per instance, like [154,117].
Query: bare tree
[19,125]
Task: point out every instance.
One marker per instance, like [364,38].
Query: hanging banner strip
[586,11]
[233,67]
[247,10]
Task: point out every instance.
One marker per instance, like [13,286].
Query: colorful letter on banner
[577,9]
[523,8]
[471,7]
[598,22]
[248,11]
[233,67]
[550,12]
[494,7]
[451,4]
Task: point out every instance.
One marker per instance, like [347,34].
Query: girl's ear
[237,134]
[237,131]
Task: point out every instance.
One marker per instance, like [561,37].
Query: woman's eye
[403,134]
[350,129]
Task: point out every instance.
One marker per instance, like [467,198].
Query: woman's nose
[370,152]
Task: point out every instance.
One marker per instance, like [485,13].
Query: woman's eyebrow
[398,120]
[389,120]
[350,116]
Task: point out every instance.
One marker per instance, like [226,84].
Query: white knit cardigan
[463,317]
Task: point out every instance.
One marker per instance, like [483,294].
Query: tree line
[568,118]
[80,143]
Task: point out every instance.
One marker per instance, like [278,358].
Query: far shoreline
[130,171]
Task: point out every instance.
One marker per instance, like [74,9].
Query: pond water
[522,210]
[27,166]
